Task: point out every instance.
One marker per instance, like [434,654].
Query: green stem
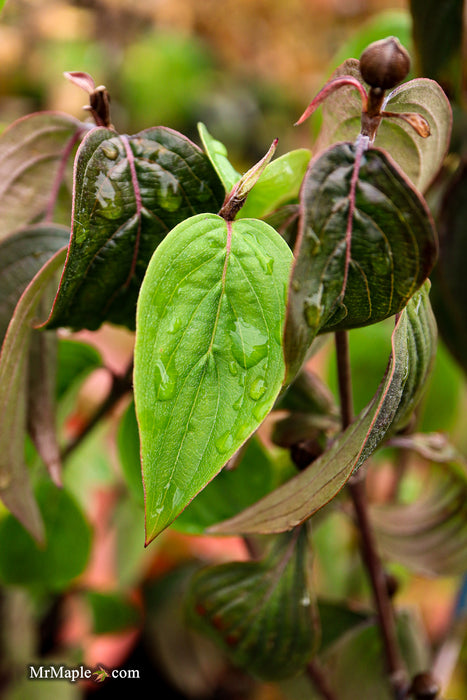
[369,553]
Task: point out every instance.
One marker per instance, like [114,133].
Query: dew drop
[224,443]
[312,239]
[242,432]
[203,193]
[233,368]
[110,150]
[313,308]
[257,388]
[169,194]
[175,325]
[261,410]
[238,403]
[165,382]
[249,344]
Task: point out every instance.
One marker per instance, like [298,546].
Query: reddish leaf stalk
[369,553]
[319,680]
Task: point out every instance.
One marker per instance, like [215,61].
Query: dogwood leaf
[208,356]
[129,191]
[311,489]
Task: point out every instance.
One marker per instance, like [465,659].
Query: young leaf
[68,537]
[33,154]
[208,355]
[129,191]
[311,489]
[366,243]
[279,184]
[15,490]
[217,154]
[260,612]
[429,536]
[420,158]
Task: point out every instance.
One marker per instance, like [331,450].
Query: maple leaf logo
[100,675]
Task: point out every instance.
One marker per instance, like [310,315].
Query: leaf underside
[129,192]
[208,355]
[366,243]
[413,347]
[15,490]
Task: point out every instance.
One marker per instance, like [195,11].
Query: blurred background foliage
[247,69]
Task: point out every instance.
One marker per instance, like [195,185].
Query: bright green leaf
[279,184]
[68,543]
[15,490]
[230,492]
[208,356]
[129,192]
[366,243]
[217,154]
[260,612]
[311,489]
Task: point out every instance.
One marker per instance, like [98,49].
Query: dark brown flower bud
[384,64]
[424,687]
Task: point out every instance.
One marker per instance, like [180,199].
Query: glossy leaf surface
[23,562]
[229,493]
[260,612]
[15,490]
[429,536]
[129,192]
[208,355]
[33,153]
[312,488]
[420,158]
[366,243]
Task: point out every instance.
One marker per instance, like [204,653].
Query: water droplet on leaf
[249,344]
[257,388]
[224,443]
[165,382]
[110,150]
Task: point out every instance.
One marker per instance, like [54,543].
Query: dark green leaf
[33,153]
[129,191]
[15,490]
[261,613]
[428,536]
[68,543]
[449,288]
[307,394]
[420,158]
[208,356]
[335,621]
[437,31]
[75,360]
[112,612]
[312,488]
[366,243]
